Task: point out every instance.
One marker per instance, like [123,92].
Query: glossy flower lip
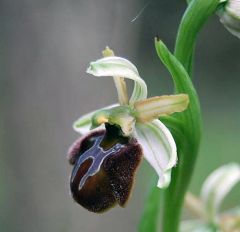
[137,116]
[104,169]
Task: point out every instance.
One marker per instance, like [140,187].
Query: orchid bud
[230,17]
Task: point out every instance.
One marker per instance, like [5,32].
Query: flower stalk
[186,128]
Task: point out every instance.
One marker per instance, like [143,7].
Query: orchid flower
[115,137]
[214,190]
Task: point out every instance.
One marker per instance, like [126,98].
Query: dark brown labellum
[104,168]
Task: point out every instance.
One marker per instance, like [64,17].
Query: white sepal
[120,67]
[217,186]
[159,149]
[230,17]
[84,123]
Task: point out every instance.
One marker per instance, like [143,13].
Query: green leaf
[187,141]
[183,84]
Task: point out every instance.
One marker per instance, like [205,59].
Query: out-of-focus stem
[193,20]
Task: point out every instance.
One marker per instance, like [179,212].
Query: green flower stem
[186,126]
[187,143]
[194,18]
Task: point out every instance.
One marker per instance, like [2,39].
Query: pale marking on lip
[98,155]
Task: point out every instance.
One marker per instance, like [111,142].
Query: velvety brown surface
[104,167]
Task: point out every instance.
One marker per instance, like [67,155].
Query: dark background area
[45,48]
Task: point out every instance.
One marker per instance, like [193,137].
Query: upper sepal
[120,67]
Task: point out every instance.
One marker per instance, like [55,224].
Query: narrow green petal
[120,67]
[217,186]
[119,82]
[84,123]
[153,108]
[121,90]
[159,149]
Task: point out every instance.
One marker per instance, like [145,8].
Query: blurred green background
[45,48]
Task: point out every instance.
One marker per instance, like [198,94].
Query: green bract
[138,116]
